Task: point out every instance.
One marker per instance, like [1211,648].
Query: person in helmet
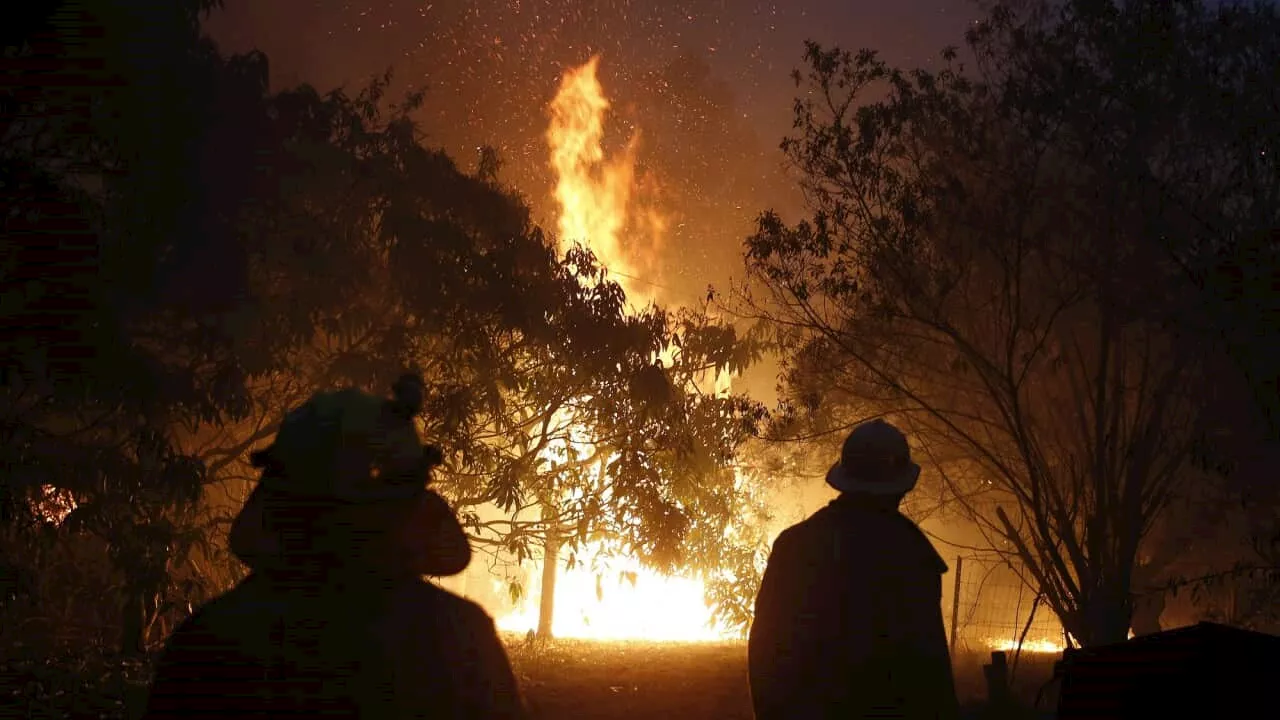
[848,619]
[335,619]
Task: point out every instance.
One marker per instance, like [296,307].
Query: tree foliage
[1000,260]
[551,399]
[119,273]
[187,255]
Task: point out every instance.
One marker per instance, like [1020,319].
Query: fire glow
[1047,647]
[596,194]
[624,601]
[618,599]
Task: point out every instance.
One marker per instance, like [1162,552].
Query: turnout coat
[848,621]
[373,647]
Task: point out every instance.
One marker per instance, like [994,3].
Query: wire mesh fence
[992,608]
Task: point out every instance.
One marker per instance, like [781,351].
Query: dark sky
[706,81]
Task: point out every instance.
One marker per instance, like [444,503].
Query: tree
[379,254]
[249,249]
[988,261]
[602,446]
[119,275]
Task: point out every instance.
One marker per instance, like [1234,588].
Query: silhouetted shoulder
[791,536]
[470,675]
[423,651]
[423,591]
[410,602]
[235,620]
[215,662]
[425,601]
[862,532]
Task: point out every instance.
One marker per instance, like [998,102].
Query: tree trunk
[547,602]
[1104,619]
[1146,614]
[133,627]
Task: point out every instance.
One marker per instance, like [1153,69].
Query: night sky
[707,82]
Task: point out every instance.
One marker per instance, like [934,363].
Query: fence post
[955,604]
[997,677]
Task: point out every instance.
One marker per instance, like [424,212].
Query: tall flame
[598,204]
[596,194]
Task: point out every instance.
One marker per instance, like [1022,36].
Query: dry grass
[688,681]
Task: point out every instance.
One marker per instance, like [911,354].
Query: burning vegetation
[602,591]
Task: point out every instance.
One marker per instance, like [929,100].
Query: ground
[584,679]
[561,679]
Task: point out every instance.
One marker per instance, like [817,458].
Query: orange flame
[1039,646]
[599,207]
[624,601]
[596,194]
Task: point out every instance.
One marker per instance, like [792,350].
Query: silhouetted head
[345,481]
[875,461]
